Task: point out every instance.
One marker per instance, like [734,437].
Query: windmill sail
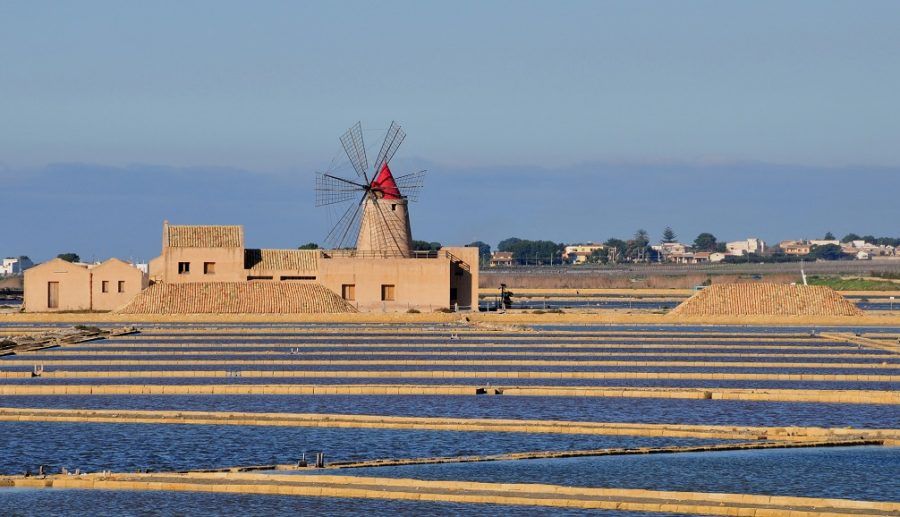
[375,219]
[392,141]
[355,148]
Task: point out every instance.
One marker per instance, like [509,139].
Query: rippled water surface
[127,447]
[859,473]
[715,412]
[870,473]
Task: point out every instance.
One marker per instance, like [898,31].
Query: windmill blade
[347,226]
[353,144]
[411,184]
[331,190]
[392,141]
[385,229]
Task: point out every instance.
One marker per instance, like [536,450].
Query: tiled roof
[205,236]
[765,299]
[237,298]
[302,260]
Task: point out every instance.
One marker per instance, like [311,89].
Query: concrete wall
[114,271]
[422,284]
[74,286]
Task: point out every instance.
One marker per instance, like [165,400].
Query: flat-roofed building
[795,247]
[580,253]
[15,265]
[746,246]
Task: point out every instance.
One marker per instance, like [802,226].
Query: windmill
[376,216]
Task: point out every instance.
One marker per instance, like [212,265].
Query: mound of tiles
[237,298]
[762,299]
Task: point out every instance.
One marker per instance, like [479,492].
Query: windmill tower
[378,221]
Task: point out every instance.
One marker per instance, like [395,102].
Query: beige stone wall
[74,286]
[465,282]
[229,264]
[114,271]
[422,284]
[155,268]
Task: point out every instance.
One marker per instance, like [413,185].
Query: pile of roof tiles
[237,298]
[763,299]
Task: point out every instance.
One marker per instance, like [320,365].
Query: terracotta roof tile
[766,299]
[302,260]
[236,298]
[180,236]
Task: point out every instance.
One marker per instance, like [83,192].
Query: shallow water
[127,447]
[712,412]
[868,473]
[863,473]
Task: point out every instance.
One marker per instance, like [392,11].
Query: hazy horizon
[101,211]
[576,121]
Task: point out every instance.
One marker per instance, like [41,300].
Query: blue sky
[585,119]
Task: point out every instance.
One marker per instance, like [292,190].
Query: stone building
[369,280]
[215,256]
[58,285]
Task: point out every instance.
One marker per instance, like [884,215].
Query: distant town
[705,248]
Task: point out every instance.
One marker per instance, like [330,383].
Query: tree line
[638,249]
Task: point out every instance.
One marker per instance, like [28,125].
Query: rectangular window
[387,292]
[288,278]
[348,292]
[184,268]
[254,278]
[52,295]
[104,286]
[121,286]
[209,268]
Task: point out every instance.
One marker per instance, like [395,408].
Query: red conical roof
[384,183]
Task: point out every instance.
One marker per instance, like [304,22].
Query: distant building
[668,250]
[751,245]
[865,251]
[15,265]
[502,258]
[824,242]
[717,257]
[579,253]
[795,247]
[699,257]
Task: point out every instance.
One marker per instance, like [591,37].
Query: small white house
[751,245]
[15,265]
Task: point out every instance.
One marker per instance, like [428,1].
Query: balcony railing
[350,253]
